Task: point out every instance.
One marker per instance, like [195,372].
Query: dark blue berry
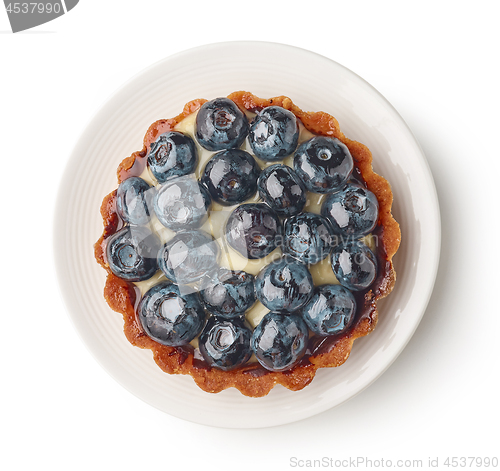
[131,253]
[182,203]
[231,176]
[284,285]
[173,154]
[169,317]
[229,293]
[354,265]
[274,133]
[324,164]
[225,344]
[189,256]
[133,201]
[220,125]
[330,311]
[253,230]
[307,237]
[353,211]
[280,341]
[281,188]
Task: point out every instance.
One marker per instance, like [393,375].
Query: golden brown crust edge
[251,379]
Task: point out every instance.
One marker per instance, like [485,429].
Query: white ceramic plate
[266,69]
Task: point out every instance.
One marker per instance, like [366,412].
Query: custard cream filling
[321,272]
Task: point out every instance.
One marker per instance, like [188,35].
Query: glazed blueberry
[280,341]
[173,154]
[307,237]
[274,133]
[253,230]
[131,253]
[231,176]
[330,311]
[229,293]
[284,285]
[353,211]
[169,317]
[354,265]
[220,125]
[189,256]
[225,344]
[133,201]
[324,164]
[182,203]
[281,188]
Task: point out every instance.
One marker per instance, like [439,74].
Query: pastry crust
[252,379]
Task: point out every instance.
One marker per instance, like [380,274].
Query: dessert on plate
[247,243]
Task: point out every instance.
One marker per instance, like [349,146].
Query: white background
[436,62]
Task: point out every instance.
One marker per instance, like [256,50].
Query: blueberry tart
[248,243]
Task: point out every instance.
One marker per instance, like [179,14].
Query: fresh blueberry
[307,237]
[182,203]
[324,164]
[220,125]
[281,188]
[173,154]
[253,230]
[225,344]
[189,256]
[131,253]
[354,265]
[284,285]
[280,340]
[133,201]
[231,176]
[353,211]
[274,133]
[169,317]
[330,311]
[229,293]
